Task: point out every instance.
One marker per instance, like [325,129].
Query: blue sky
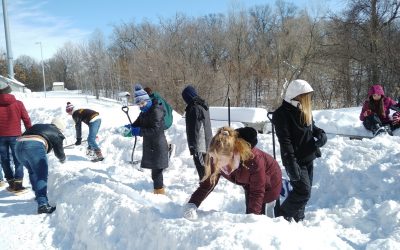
[54,22]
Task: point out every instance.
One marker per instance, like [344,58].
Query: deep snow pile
[355,202]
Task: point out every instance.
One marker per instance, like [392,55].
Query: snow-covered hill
[355,200]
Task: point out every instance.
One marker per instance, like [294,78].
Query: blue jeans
[93,130]
[7,143]
[32,154]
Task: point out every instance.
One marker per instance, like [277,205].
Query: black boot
[46,209]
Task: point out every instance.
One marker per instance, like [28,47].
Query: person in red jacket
[233,158]
[12,111]
[375,113]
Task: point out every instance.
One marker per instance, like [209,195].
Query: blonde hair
[225,143]
[306,108]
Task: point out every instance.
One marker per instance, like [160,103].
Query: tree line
[247,55]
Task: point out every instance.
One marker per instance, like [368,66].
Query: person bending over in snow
[296,131]
[150,125]
[375,112]
[93,120]
[31,149]
[256,171]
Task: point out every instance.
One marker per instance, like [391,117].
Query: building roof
[11,82]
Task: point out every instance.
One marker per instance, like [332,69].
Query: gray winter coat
[155,146]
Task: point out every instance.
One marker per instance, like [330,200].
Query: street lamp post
[44,77]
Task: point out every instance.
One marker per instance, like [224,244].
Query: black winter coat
[296,140]
[52,135]
[155,146]
[198,126]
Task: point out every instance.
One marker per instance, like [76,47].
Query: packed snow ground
[355,200]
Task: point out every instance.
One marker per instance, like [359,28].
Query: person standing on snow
[198,127]
[31,150]
[93,120]
[12,111]
[231,156]
[150,125]
[375,112]
[296,131]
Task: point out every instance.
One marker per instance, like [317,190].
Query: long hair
[225,143]
[377,106]
[306,108]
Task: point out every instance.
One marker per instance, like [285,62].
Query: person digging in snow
[31,150]
[93,120]
[150,125]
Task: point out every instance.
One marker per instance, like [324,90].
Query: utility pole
[44,77]
[8,43]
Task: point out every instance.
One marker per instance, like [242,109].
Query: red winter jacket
[12,112]
[261,177]
[387,103]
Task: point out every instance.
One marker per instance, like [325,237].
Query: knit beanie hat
[4,88]
[188,94]
[59,123]
[140,94]
[70,107]
[297,87]
[248,134]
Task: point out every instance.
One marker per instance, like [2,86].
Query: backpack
[168,117]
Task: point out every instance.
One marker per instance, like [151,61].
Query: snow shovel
[125,109]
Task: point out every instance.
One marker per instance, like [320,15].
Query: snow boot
[46,209]
[99,156]
[159,191]
[90,152]
[15,186]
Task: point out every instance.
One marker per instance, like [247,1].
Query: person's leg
[5,158]
[93,130]
[158,181]
[298,197]
[199,163]
[19,168]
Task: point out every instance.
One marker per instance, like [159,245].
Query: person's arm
[58,147]
[204,189]
[193,126]
[257,182]
[78,124]
[25,117]
[288,157]
[365,111]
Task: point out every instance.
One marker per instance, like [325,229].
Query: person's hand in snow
[190,211]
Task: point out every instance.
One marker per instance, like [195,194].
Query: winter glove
[321,139]
[293,172]
[190,211]
[78,141]
[135,131]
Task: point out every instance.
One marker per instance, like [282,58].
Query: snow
[355,202]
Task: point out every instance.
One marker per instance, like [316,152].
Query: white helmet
[297,87]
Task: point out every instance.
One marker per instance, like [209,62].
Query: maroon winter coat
[261,177]
[387,103]
[12,112]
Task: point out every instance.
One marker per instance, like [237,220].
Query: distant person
[198,127]
[300,140]
[93,120]
[233,158]
[375,112]
[32,149]
[150,125]
[12,112]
